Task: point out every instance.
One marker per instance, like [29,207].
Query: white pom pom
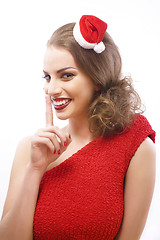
[100,47]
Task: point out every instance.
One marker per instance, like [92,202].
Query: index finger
[49,111]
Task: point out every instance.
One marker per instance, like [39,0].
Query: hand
[48,143]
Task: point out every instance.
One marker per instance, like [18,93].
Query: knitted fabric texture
[82,198]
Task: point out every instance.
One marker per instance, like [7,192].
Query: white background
[25,27]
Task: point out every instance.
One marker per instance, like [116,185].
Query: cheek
[81,90]
[87,91]
[86,95]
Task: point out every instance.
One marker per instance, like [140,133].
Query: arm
[17,218]
[139,186]
[32,158]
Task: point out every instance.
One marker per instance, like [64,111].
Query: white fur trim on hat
[100,47]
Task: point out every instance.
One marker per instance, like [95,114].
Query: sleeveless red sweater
[82,198]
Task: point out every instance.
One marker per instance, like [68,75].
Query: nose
[53,88]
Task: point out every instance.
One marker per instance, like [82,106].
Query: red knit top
[82,198]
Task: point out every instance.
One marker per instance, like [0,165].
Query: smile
[60,103]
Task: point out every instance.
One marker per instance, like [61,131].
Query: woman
[94,178]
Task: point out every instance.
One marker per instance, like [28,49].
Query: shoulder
[143,161]
[23,147]
[142,165]
[140,131]
[21,159]
[22,154]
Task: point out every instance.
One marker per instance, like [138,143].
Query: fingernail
[69,136]
[54,151]
[65,143]
[59,152]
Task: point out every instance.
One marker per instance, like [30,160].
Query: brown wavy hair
[117,102]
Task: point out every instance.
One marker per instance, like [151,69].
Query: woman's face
[71,91]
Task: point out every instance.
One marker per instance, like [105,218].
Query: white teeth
[61,102]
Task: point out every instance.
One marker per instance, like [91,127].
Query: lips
[60,103]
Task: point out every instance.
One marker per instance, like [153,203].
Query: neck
[79,129]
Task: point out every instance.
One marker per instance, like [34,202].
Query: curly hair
[116,103]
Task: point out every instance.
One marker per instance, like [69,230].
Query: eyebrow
[62,69]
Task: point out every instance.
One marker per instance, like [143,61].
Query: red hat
[89,33]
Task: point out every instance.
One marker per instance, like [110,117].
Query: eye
[67,76]
[47,77]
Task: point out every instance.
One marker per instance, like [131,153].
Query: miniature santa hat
[89,33]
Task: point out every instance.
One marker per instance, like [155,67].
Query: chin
[62,116]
